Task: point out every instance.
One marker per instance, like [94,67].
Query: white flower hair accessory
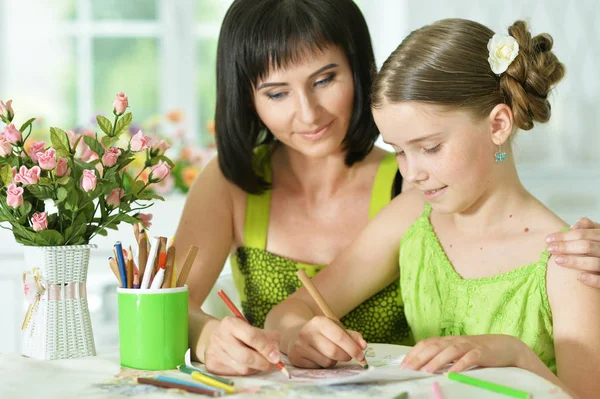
[503,50]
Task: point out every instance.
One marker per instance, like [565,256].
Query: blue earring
[500,155]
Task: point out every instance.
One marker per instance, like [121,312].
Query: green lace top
[439,302]
[264,279]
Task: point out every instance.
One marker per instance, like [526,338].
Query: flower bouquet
[55,196]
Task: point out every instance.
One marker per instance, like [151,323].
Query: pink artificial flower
[87,154]
[140,142]
[47,160]
[88,180]
[160,171]
[62,168]
[161,147]
[145,218]
[165,186]
[110,157]
[114,198]
[39,221]
[5,146]
[72,137]
[28,176]
[121,103]
[14,196]
[6,109]
[35,148]
[12,134]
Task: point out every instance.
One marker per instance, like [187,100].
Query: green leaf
[25,208]
[104,124]
[40,192]
[45,181]
[94,145]
[123,217]
[26,125]
[165,159]
[149,196]
[75,144]
[72,201]
[52,237]
[6,174]
[63,180]
[61,194]
[123,123]
[109,141]
[102,232]
[60,142]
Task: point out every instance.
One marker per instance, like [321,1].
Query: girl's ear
[501,119]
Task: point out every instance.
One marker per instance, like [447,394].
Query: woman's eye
[432,149]
[325,81]
[275,96]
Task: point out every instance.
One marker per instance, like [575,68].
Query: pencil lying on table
[318,298]
[239,315]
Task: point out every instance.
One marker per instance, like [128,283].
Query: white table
[101,377]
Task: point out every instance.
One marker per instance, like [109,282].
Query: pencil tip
[366,366]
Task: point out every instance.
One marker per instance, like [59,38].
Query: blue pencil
[189,384]
[121,261]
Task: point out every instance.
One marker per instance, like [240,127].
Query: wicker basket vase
[57,324]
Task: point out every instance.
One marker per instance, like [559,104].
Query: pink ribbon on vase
[34,288]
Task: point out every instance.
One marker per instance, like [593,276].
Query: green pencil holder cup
[153,327]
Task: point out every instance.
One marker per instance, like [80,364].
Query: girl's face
[448,155]
[308,105]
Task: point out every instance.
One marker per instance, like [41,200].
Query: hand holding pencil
[237,348]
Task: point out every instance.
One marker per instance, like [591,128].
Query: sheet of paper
[384,365]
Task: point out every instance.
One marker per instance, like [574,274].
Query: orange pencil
[239,315]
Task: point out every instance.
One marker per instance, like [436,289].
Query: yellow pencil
[212,382]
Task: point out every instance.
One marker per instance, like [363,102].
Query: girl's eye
[432,149]
[325,81]
[276,96]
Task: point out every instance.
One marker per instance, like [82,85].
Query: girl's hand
[322,343]
[579,248]
[431,355]
[237,348]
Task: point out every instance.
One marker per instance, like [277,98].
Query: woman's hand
[322,343]
[431,355]
[237,348]
[579,248]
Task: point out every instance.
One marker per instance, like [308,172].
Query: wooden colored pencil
[187,266]
[239,315]
[318,298]
[162,248]
[129,268]
[170,264]
[142,252]
[188,388]
[205,379]
[115,269]
[216,377]
[490,386]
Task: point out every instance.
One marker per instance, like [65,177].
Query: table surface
[102,377]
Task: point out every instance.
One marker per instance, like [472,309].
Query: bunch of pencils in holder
[156,262]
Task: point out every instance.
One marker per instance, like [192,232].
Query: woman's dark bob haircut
[257,35]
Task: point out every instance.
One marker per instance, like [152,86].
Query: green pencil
[401,395]
[490,386]
[188,370]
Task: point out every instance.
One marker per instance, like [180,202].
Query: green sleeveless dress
[264,279]
[439,302]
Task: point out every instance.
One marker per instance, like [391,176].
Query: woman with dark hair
[297,176]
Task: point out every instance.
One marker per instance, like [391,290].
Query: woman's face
[308,105]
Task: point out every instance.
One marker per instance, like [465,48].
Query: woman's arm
[579,249]
[576,324]
[368,265]
[228,346]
